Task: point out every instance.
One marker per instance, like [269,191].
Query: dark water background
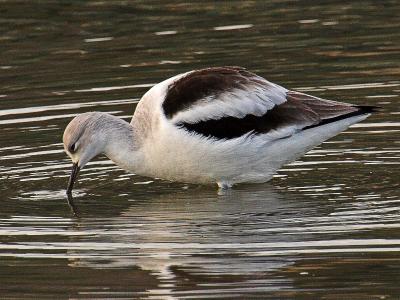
[326,227]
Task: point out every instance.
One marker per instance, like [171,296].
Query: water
[325,227]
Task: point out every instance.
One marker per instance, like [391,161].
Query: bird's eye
[72,148]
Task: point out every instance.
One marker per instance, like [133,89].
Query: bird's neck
[122,145]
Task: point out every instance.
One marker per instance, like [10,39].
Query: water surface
[327,226]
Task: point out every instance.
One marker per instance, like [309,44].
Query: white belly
[179,156]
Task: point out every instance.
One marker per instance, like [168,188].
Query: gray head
[84,138]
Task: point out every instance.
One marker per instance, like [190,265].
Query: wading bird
[221,125]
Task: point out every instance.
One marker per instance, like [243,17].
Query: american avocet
[221,125]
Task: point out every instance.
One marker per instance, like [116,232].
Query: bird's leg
[223,185]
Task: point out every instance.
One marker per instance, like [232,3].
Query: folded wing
[228,102]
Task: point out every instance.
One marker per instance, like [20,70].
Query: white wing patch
[254,99]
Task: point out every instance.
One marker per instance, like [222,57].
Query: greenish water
[326,227]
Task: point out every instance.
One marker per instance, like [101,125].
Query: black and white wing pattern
[229,102]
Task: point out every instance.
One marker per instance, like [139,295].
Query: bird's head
[83,140]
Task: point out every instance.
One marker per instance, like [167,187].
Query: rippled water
[325,227]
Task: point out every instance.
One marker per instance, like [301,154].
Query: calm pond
[326,227]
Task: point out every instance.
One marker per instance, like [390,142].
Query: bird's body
[217,125]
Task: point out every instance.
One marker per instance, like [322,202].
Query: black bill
[72,178]
[72,206]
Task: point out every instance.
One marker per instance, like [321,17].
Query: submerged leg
[223,185]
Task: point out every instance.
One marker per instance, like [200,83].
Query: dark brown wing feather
[300,110]
[200,84]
